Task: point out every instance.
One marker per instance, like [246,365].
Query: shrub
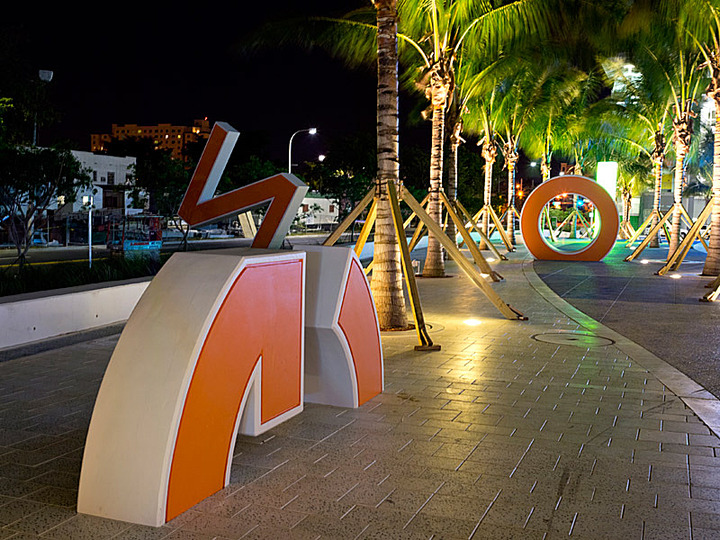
[59,275]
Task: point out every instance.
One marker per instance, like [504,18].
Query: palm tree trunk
[489,153]
[512,159]
[452,180]
[712,262]
[627,205]
[655,242]
[434,264]
[386,285]
[680,153]
[545,168]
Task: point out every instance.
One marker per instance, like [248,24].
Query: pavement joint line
[707,408]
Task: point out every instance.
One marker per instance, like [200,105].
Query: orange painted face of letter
[283,191]
[214,347]
[243,347]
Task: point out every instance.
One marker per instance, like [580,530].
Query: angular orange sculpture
[283,191]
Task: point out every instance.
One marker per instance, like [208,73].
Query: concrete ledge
[30,320]
[65,340]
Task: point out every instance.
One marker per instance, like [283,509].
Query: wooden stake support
[473,226]
[712,296]
[503,219]
[676,259]
[646,241]
[578,216]
[470,270]
[645,224]
[545,217]
[496,223]
[466,265]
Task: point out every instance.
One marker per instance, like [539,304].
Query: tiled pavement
[498,435]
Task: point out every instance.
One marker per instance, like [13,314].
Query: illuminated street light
[88,201]
[311,131]
[321,158]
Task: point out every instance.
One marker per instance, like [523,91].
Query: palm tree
[433,35]
[701,20]
[520,96]
[633,179]
[639,120]
[386,284]
[482,113]
[684,81]
[439,32]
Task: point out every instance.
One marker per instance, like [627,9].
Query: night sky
[152,62]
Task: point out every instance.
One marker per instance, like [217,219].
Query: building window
[111,178]
[332,208]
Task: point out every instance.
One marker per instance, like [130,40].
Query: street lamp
[45,75]
[88,200]
[311,131]
[321,158]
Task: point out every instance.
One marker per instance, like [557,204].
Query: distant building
[111,200]
[317,212]
[111,176]
[165,136]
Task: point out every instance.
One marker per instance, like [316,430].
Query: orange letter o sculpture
[544,193]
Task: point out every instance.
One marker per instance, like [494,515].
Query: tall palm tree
[559,88]
[386,284]
[433,35]
[700,19]
[639,120]
[439,32]
[684,81]
[521,94]
[482,116]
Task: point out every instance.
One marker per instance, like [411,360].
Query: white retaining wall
[33,317]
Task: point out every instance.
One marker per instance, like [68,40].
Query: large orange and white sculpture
[221,343]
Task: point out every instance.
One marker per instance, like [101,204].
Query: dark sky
[156,62]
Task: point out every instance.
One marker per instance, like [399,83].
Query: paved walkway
[504,433]
[658,312]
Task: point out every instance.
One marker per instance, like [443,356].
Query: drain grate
[576,339]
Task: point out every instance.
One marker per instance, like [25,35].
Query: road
[48,255]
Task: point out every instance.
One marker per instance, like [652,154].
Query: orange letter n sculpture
[217,346]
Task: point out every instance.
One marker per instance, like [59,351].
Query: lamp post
[45,76]
[311,131]
[88,200]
